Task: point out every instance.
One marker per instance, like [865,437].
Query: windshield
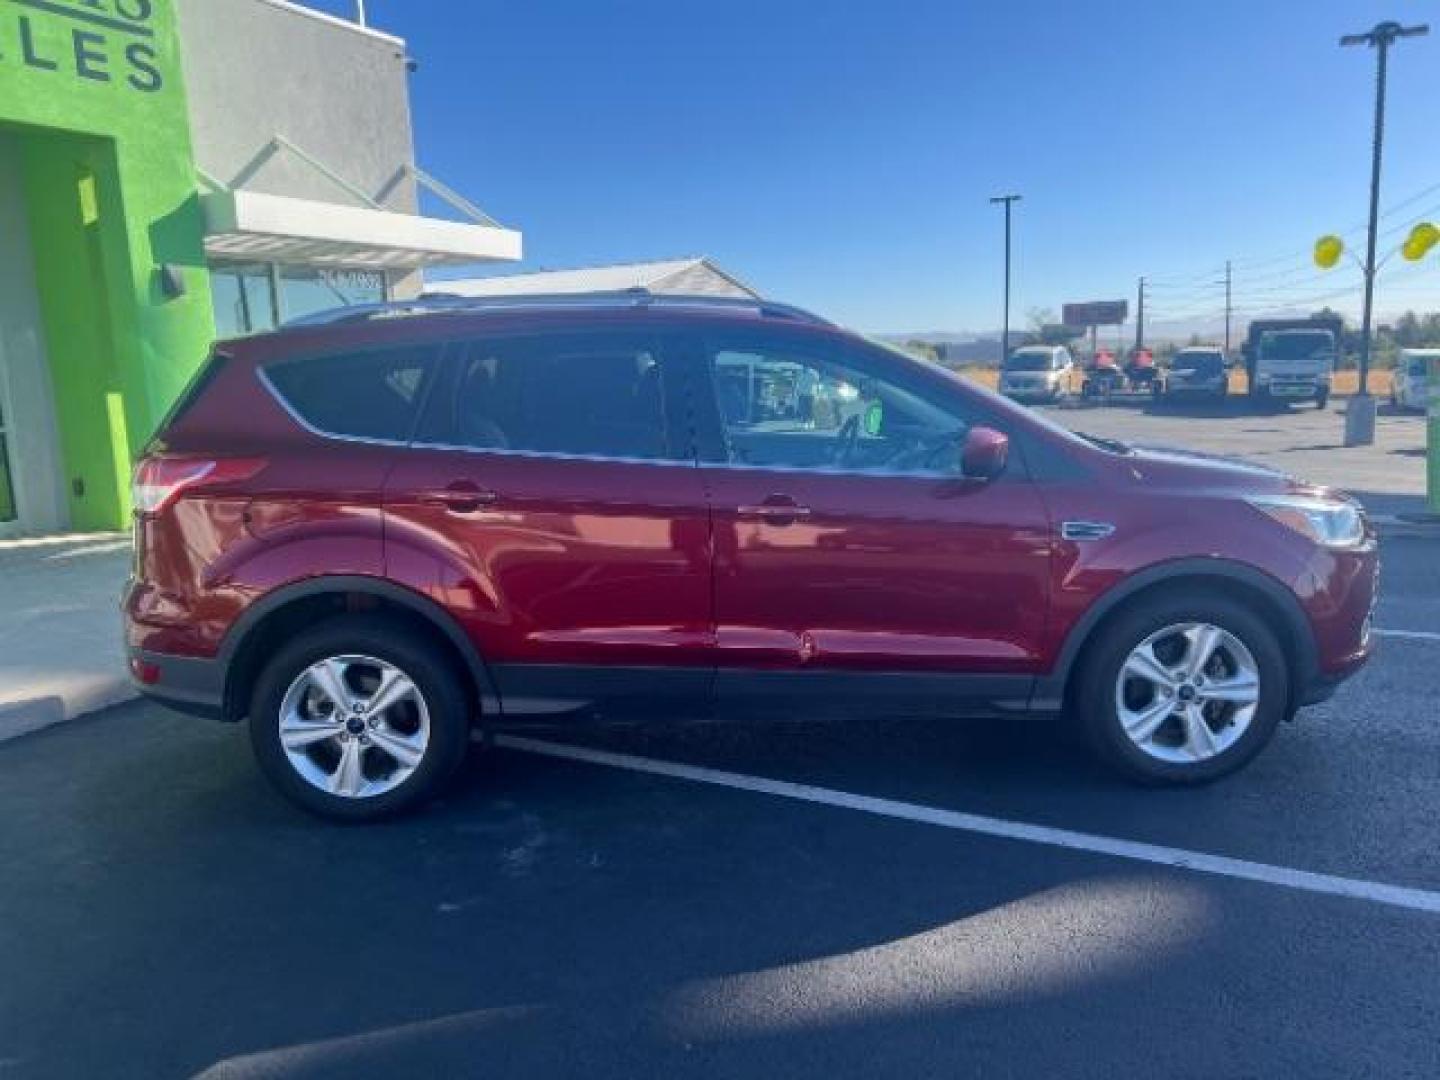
[1297,345]
[1201,363]
[1028,361]
[1415,366]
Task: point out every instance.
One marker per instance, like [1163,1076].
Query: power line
[1303,254]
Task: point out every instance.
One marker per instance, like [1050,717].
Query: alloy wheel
[1187,693]
[354,726]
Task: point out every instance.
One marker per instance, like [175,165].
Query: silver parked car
[1038,373]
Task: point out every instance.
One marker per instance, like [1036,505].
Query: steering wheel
[922,453]
[846,440]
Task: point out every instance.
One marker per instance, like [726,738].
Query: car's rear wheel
[356,719]
[1183,688]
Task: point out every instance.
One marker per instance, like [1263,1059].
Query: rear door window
[369,395]
[586,395]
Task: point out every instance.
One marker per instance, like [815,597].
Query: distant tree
[1430,330]
[923,349]
[1039,317]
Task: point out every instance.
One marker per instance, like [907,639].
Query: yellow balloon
[1421,239]
[1328,250]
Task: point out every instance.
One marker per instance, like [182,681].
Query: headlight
[1330,524]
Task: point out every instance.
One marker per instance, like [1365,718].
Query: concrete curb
[29,715]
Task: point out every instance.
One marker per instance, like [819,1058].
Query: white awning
[251,225]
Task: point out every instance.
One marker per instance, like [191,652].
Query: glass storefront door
[8,513]
[31,491]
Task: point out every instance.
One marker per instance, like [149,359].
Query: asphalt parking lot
[166,914]
[1389,476]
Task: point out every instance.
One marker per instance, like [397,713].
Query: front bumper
[1345,587]
[1296,389]
[1031,393]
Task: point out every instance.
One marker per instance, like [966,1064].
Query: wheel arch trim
[1050,690]
[417,603]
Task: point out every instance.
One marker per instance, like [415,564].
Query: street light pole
[1005,327]
[1360,415]
[1140,315]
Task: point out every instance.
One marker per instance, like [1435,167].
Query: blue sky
[840,155]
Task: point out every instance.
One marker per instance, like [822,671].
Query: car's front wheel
[358,719]
[1183,688]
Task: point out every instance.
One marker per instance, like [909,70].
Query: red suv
[379,534]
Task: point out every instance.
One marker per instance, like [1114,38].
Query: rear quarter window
[370,395]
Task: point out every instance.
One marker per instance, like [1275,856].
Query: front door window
[782,409]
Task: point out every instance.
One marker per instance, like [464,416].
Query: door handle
[460,497]
[776,510]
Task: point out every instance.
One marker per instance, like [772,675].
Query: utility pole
[1005,327]
[1360,415]
[1228,310]
[1140,316]
[360,12]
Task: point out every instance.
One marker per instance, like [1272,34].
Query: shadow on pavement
[551,918]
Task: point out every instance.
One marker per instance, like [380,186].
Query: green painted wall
[94,89]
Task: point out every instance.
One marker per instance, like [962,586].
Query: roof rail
[437,302]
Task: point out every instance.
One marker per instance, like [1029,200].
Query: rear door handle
[460,497]
[775,510]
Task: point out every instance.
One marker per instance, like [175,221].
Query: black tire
[1095,690]
[427,667]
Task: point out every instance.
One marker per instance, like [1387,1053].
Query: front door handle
[775,510]
[460,497]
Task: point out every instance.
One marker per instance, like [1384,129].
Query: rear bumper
[187,684]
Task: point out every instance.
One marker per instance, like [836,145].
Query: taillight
[159,481]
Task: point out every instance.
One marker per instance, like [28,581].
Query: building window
[251,298]
[307,289]
[244,299]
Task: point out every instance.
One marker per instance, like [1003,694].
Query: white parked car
[1408,383]
[1038,373]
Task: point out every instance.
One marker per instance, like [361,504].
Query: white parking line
[1178,858]
[1412,635]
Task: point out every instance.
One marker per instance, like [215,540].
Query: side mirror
[984,454]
